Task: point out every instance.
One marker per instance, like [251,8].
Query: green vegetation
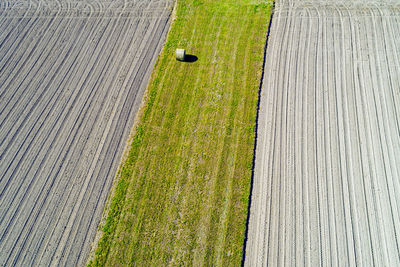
[182,195]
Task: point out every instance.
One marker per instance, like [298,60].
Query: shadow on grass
[189,59]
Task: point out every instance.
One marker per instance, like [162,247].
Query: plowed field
[72,76]
[327,173]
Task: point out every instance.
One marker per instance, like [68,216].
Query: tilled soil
[327,174]
[72,77]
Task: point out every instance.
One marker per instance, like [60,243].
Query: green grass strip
[182,195]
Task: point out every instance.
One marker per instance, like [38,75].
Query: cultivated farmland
[72,76]
[327,174]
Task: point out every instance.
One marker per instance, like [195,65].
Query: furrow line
[11,191]
[22,94]
[79,87]
[51,201]
[17,74]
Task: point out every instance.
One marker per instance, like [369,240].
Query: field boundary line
[255,136]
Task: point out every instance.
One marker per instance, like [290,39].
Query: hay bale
[180,54]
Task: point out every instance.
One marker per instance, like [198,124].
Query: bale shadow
[190,58]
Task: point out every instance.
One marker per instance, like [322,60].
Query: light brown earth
[72,76]
[327,174]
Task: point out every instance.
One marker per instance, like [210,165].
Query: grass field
[183,190]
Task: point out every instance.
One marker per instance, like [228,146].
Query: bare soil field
[72,77]
[327,172]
